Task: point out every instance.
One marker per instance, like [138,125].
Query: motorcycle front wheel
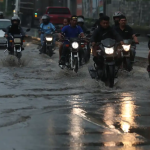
[111,76]
[76,65]
[49,51]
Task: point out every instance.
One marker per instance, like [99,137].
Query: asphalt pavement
[43,107]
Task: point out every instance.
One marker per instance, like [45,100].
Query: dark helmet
[15,18]
[45,19]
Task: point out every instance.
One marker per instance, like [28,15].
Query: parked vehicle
[4,23]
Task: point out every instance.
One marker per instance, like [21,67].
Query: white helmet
[80,20]
[117,14]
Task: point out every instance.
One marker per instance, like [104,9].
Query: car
[4,23]
[57,14]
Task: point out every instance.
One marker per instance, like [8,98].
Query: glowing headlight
[126,47]
[109,50]
[49,39]
[75,45]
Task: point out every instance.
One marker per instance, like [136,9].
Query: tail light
[67,45]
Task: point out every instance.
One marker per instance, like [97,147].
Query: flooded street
[45,108]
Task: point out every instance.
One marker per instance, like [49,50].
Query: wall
[92,8]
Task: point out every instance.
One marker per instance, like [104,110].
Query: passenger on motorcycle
[104,31]
[80,22]
[116,17]
[66,22]
[46,28]
[126,32]
[96,24]
[13,29]
[70,31]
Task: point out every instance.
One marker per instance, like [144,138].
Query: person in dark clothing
[13,29]
[126,32]
[1,15]
[116,17]
[80,22]
[104,31]
[96,24]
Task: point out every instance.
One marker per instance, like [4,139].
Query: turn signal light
[23,40]
[10,41]
[82,45]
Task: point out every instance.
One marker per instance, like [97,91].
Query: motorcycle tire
[111,76]
[49,51]
[76,65]
[128,64]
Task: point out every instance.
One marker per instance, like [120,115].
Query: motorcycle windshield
[108,42]
[127,41]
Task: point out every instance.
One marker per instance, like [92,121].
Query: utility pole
[16,11]
[6,6]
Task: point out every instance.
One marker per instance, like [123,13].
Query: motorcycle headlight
[126,47]
[75,45]
[109,50]
[49,38]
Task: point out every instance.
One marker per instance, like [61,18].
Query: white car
[4,23]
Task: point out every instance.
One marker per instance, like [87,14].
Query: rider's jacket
[14,30]
[101,34]
[47,28]
[127,33]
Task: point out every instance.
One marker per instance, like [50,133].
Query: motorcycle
[73,49]
[128,50]
[48,47]
[17,43]
[106,54]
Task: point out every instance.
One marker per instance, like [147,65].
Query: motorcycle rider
[46,28]
[66,22]
[80,22]
[116,17]
[126,32]
[1,15]
[13,29]
[96,24]
[104,31]
[70,31]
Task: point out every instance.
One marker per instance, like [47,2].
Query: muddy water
[44,107]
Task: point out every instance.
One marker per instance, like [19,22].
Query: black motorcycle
[106,69]
[48,47]
[73,57]
[128,53]
[17,44]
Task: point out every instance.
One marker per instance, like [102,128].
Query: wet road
[45,108]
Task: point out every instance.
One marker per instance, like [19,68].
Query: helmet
[15,18]
[80,20]
[117,14]
[45,19]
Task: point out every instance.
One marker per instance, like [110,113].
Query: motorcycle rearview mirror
[137,34]
[28,30]
[4,30]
